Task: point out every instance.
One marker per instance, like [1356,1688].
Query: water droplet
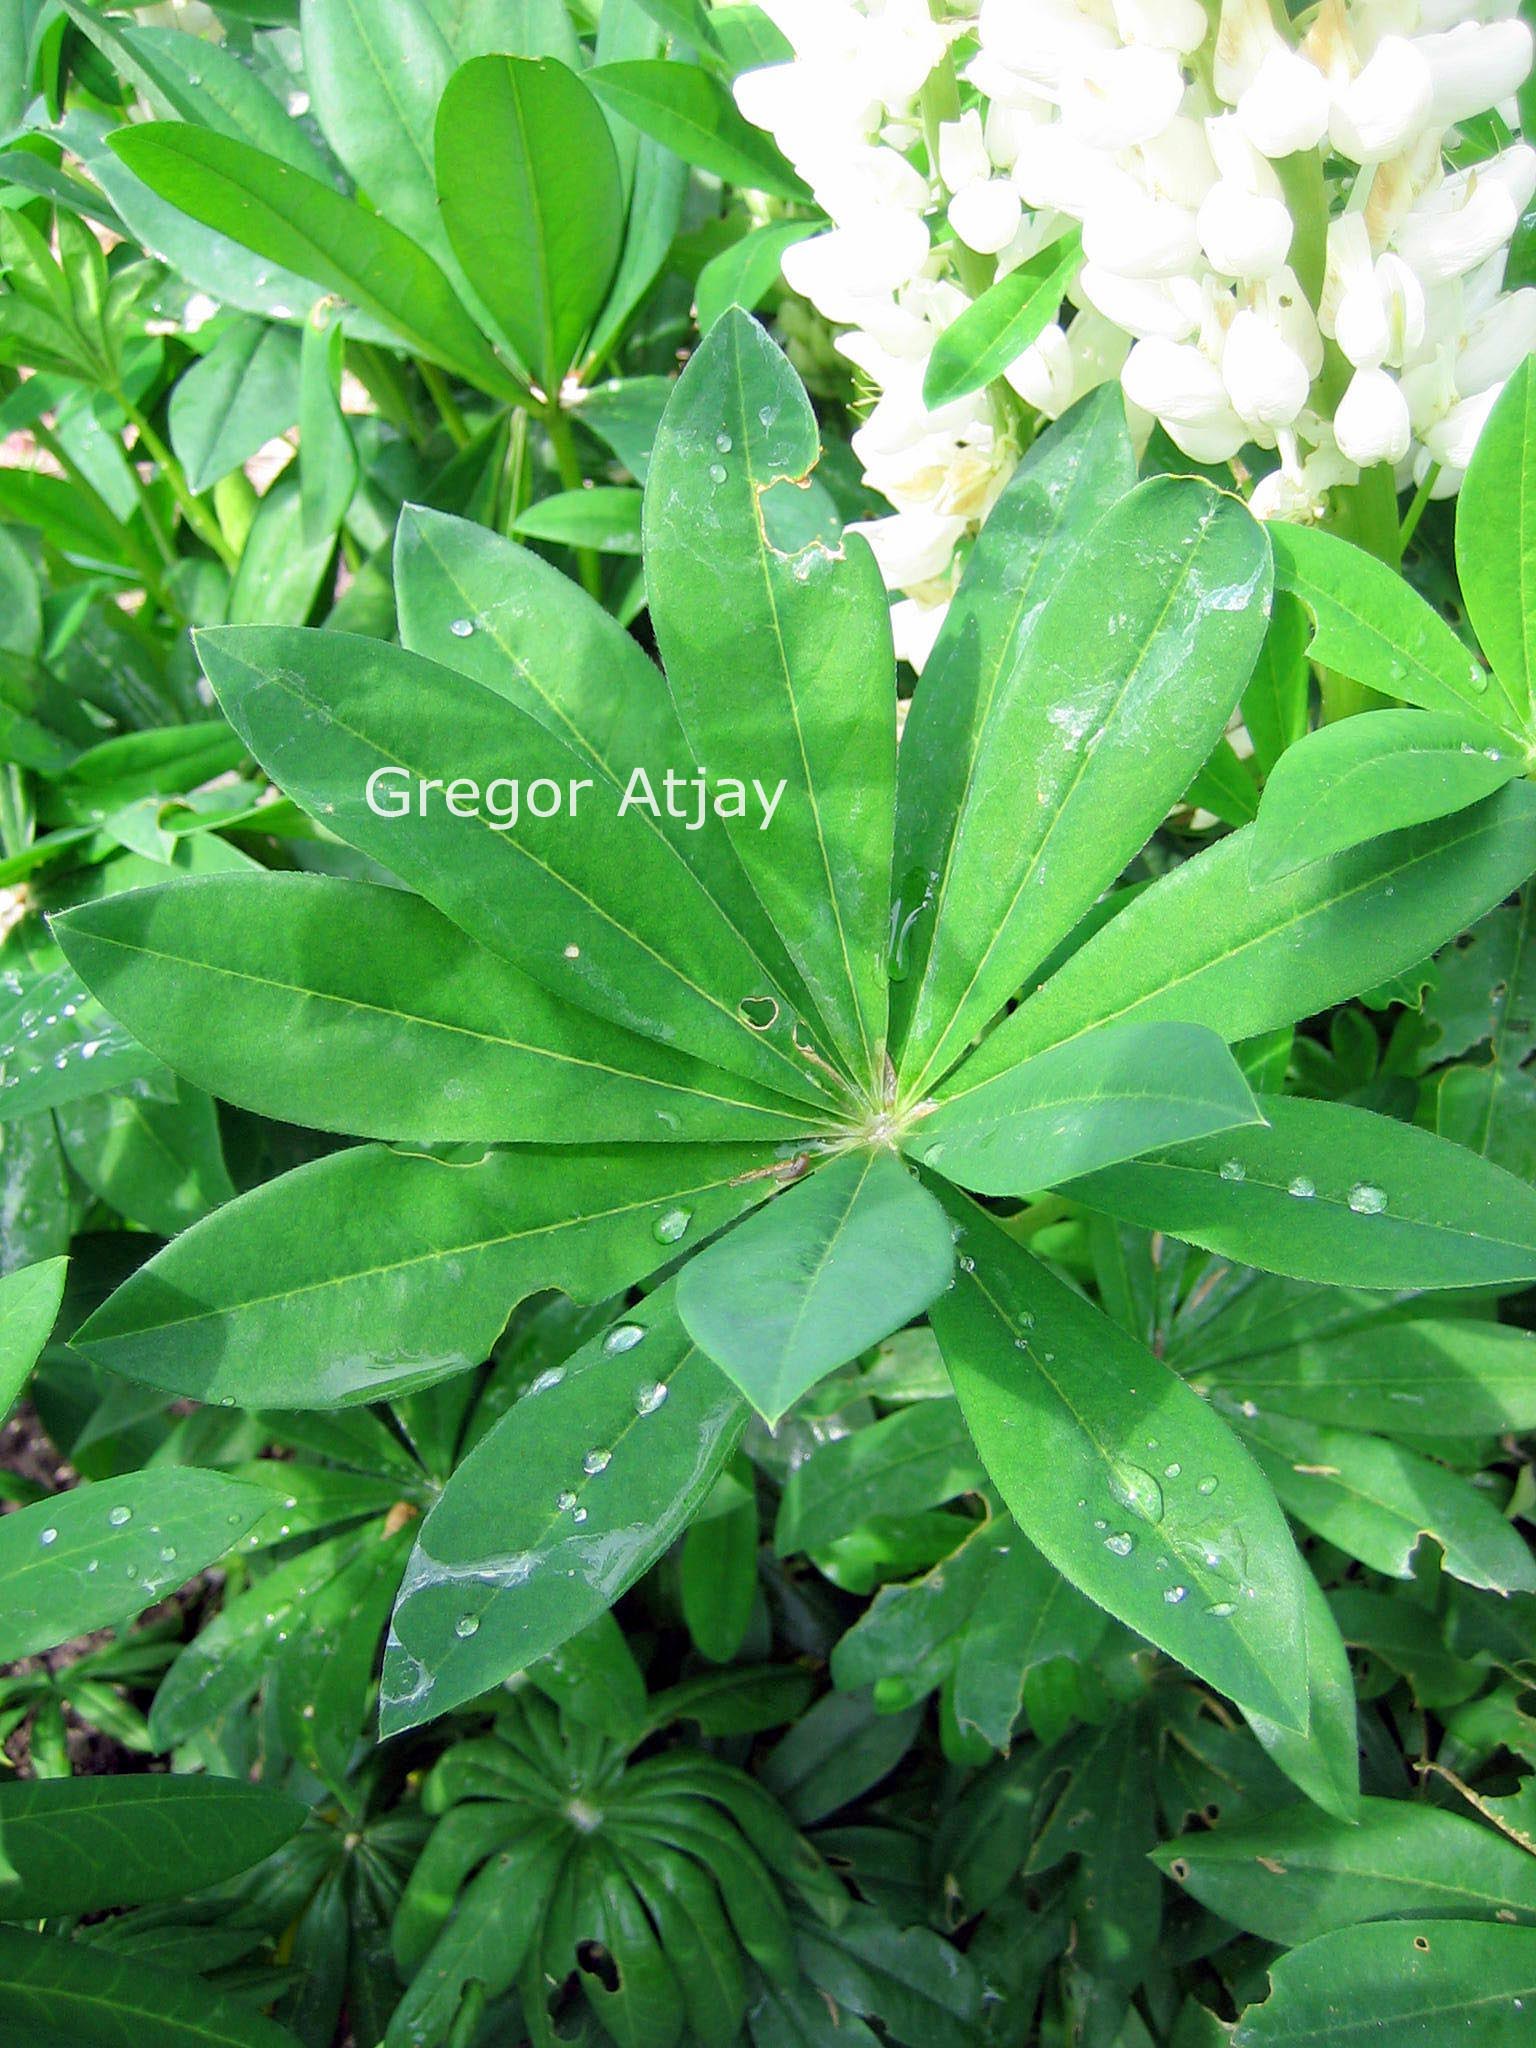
[554,1374]
[565,1500]
[1172,1471]
[1222,1609]
[966,1263]
[1233,1169]
[168,1554]
[595,1461]
[118,1516]
[650,1397]
[622,1337]
[1120,1543]
[1207,1487]
[717,472]
[723,443]
[572,952]
[1303,1187]
[1174,1594]
[49,1536]
[1136,1490]
[466,1625]
[671,1225]
[579,1515]
[1367,1200]
[765,414]
[462,628]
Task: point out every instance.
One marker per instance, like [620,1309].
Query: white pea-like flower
[1174,134]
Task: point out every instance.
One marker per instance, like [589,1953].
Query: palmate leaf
[830,1267]
[1154,626]
[580,1487]
[807,641]
[373,1271]
[82,1845]
[1151,1506]
[1438,1983]
[1102,1097]
[353,1008]
[1364,777]
[1496,539]
[54,1990]
[597,908]
[1327,1192]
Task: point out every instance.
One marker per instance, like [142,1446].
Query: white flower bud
[1498,343]
[911,547]
[1286,107]
[1453,440]
[1176,382]
[1448,242]
[1243,234]
[986,217]
[1265,378]
[901,45]
[914,629]
[1371,424]
[1122,97]
[1475,67]
[1045,375]
[1043,42]
[1139,236]
[1144,307]
[1245,35]
[868,256]
[963,158]
[1381,110]
[1216,440]
[1177,25]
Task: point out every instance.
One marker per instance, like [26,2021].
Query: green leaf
[1106,1096]
[1328,1192]
[1153,1508]
[837,1751]
[56,1990]
[829,1268]
[1366,776]
[917,1458]
[353,1008]
[532,201]
[296,221]
[578,1488]
[152,1153]
[242,394]
[1067,480]
[1208,945]
[1461,1377]
[996,328]
[81,1845]
[371,1272]
[911,1979]
[1496,539]
[1438,1983]
[1154,626]
[328,464]
[29,1306]
[597,907]
[693,114]
[1325,1761]
[100,1554]
[1372,626]
[1373,1500]
[781,669]
[378,72]
[1291,1876]
[605,517]
[717,1581]
[745,273]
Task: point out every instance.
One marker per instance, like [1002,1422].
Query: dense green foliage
[694,1377]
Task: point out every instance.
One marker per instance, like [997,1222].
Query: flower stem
[568,462]
[196,514]
[447,405]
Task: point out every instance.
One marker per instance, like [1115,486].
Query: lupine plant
[765,1271]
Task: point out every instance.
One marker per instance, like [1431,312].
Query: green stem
[1417,508]
[149,568]
[447,405]
[515,473]
[16,814]
[385,383]
[568,462]
[194,511]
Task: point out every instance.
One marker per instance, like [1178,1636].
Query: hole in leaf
[595,1961]
[760,1013]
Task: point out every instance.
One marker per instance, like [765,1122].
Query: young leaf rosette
[763,1069]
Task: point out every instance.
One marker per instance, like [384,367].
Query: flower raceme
[1278,253]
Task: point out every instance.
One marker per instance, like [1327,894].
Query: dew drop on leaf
[1136,1490]
[650,1397]
[466,1625]
[565,1501]
[1222,1609]
[622,1337]
[48,1537]
[723,443]
[671,1225]
[595,1461]
[119,1516]
[1174,1594]
[1303,1188]
[1121,1543]
[462,628]
[1207,1487]
[1233,1169]
[1367,1200]
[717,472]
